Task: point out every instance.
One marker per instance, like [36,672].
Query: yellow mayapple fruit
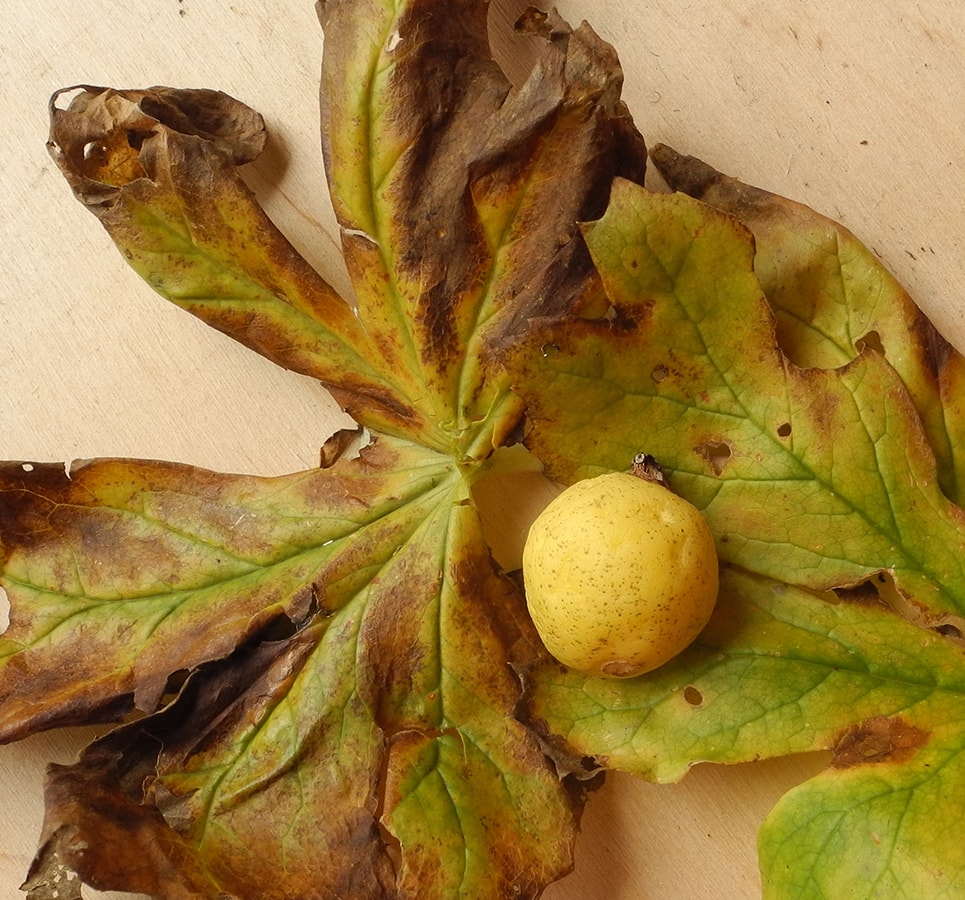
[620,574]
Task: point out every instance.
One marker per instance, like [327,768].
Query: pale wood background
[853,107]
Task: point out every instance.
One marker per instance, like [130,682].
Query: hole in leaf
[27,467]
[871,341]
[135,138]
[606,313]
[717,454]
[659,373]
[176,681]
[784,430]
[621,318]
[4,611]
[593,305]
[347,442]
[616,318]
[65,96]
[951,630]
[880,590]
[693,696]
[864,592]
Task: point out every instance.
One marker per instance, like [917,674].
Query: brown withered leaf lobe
[85,525]
[50,508]
[546,150]
[174,154]
[610,146]
[110,818]
[79,131]
[477,147]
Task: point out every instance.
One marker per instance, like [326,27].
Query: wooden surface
[853,107]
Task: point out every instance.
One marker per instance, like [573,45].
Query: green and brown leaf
[322,684]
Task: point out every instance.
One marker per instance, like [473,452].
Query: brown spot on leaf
[880,739]
[936,351]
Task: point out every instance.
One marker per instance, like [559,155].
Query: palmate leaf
[821,477]
[327,687]
[321,667]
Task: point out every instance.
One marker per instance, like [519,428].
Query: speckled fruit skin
[620,574]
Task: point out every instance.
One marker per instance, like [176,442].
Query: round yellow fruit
[620,575]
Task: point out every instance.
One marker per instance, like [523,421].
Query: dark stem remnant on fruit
[646,467]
